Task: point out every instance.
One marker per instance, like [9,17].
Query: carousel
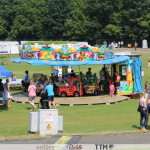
[68,83]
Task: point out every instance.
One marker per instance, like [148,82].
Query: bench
[3,62]
[4,55]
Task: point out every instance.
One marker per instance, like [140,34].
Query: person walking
[135,45]
[26,80]
[7,94]
[1,88]
[143,113]
[32,94]
[50,90]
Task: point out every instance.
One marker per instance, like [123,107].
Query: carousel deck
[84,100]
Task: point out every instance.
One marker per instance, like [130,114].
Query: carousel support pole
[79,68]
[79,71]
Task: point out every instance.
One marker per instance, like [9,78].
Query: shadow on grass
[3,108]
[135,126]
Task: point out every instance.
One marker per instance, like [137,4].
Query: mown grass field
[77,119]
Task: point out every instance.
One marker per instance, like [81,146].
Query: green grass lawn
[77,119]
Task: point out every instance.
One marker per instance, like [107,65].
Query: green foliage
[86,20]
[113,31]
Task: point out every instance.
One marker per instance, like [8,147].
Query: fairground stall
[67,83]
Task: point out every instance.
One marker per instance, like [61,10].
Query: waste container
[129,45]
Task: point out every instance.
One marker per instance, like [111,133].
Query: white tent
[9,47]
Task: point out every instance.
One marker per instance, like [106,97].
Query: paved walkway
[132,50]
[113,139]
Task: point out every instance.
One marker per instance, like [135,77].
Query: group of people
[30,86]
[113,84]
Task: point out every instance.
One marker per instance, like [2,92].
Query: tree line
[74,20]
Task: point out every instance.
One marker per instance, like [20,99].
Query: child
[111,89]
[148,107]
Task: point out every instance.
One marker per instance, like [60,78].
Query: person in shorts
[50,90]
[32,94]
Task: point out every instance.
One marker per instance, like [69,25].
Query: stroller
[43,100]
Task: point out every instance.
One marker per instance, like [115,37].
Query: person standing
[50,90]
[32,94]
[143,113]
[102,78]
[7,94]
[111,89]
[149,62]
[117,82]
[119,44]
[89,73]
[1,88]
[122,43]
[26,80]
[135,45]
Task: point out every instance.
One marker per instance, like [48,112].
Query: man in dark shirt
[1,88]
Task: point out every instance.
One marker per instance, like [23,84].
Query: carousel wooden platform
[84,100]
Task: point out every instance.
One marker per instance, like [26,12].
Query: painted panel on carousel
[65,55]
[84,53]
[99,52]
[128,84]
[54,52]
[47,53]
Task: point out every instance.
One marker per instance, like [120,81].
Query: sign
[47,121]
[48,127]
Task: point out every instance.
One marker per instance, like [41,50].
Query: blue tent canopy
[115,60]
[5,73]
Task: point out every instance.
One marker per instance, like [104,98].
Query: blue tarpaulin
[5,73]
[137,74]
[115,60]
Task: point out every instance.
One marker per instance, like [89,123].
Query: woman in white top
[7,94]
[143,113]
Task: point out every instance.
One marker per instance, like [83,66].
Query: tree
[57,14]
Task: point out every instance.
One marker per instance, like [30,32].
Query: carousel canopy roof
[115,60]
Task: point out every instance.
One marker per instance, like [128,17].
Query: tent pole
[79,70]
